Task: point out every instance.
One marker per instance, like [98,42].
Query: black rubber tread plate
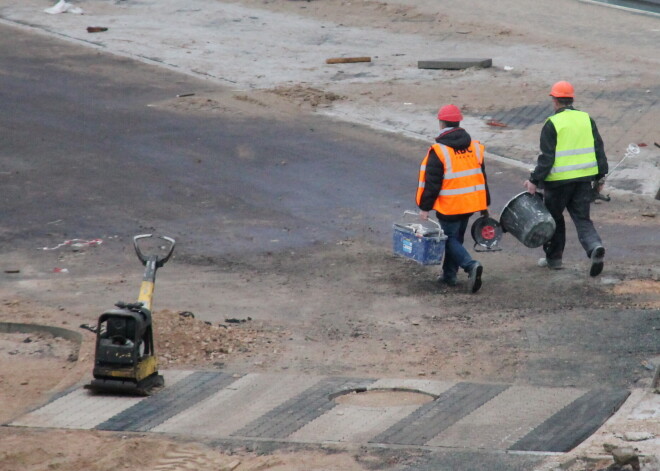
[156,409]
[434,417]
[629,103]
[574,423]
[524,116]
[298,411]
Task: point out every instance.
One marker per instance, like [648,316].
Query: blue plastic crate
[424,249]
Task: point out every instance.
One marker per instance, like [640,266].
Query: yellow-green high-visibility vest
[575,155]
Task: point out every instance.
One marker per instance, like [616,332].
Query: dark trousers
[576,198]
[455,254]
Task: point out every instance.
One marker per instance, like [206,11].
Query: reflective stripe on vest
[462,191]
[463,186]
[575,155]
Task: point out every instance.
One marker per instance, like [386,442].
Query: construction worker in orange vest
[452,181]
[572,162]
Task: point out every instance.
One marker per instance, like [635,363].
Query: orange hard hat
[450,113]
[562,89]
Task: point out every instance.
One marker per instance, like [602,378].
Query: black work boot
[597,257]
[551,263]
[474,280]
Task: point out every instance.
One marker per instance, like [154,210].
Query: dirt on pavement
[315,312]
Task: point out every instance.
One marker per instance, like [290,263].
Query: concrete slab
[455,64]
[351,424]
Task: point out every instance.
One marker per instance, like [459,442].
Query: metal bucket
[528,220]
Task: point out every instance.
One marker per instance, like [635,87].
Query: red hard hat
[562,90]
[450,113]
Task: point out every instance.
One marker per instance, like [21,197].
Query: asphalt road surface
[83,145]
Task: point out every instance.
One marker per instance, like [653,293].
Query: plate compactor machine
[125,361]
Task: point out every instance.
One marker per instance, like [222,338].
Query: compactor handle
[160,260]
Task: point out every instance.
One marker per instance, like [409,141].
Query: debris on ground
[181,339]
[306,95]
[347,60]
[64,7]
[88,327]
[635,436]
[234,320]
[76,244]
[455,64]
[624,456]
[36,345]
[495,123]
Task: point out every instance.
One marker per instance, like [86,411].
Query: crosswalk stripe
[574,423]
[293,414]
[432,418]
[240,403]
[502,421]
[154,410]
[307,409]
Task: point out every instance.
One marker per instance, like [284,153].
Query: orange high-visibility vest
[464,185]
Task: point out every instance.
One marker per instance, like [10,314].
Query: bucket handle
[536,194]
[415,213]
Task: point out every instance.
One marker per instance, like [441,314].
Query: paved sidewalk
[224,43]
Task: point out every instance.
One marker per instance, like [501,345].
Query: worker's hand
[529,186]
[599,184]
[424,215]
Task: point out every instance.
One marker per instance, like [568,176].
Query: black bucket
[528,220]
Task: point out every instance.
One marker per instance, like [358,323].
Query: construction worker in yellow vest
[452,181]
[572,162]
